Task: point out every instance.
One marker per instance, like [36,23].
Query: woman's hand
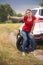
[8,17]
[31,33]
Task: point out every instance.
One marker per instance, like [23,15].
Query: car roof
[37,8]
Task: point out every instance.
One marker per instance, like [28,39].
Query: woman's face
[29,13]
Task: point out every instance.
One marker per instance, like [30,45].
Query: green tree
[14,13]
[5,9]
[2,13]
[41,4]
[8,9]
[19,15]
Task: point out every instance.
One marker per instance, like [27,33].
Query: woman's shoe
[33,53]
[23,53]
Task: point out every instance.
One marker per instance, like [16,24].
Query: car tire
[19,43]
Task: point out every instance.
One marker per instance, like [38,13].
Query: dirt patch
[39,54]
[12,38]
[39,57]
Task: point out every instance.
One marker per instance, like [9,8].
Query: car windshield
[34,12]
[41,12]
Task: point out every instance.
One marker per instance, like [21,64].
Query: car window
[41,12]
[34,12]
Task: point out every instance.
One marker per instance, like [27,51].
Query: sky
[20,6]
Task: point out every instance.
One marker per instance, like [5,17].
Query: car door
[38,28]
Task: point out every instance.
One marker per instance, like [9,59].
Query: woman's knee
[25,38]
[24,35]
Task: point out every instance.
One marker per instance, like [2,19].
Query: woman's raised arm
[15,17]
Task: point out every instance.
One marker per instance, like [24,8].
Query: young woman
[27,29]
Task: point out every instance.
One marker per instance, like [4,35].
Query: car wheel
[19,43]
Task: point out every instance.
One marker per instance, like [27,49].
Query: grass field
[9,55]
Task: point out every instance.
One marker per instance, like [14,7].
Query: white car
[38,29]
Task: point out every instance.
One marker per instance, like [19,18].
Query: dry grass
[9,55]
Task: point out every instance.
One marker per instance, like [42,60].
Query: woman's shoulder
[33,17]
[25,17]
